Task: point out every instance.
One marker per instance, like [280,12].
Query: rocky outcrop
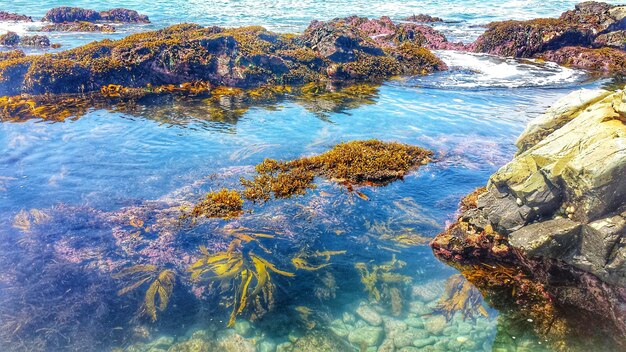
[385,32]
[590,37]
[14,17]
[557,211]
[12,39]
[77,14]
[77,27]
[421,18]
[335,51]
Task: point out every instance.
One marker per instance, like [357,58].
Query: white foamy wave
[20,28]
[470,70]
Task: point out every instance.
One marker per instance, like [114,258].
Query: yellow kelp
[238,271]
[302,260]
[460,296]
[383,284]
[160,290]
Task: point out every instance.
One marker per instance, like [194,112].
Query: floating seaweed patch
[247,275]
[223,204]
[383,283]
[460,296]
[159,291]
[369,163]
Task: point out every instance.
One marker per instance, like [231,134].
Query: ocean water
[81,200]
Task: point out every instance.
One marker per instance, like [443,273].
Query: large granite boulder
[556,213]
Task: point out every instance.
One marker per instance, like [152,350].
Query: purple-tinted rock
[14,17]
[38,41]
[616,39]
[421,18]
[9,39]
[123,15]
[71,14]
[603,59]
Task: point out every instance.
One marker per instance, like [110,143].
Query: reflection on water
[94,254]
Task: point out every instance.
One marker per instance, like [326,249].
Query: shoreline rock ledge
[546,238]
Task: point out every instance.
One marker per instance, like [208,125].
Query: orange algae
[370,162]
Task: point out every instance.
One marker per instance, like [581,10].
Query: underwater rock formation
[76,14]
[239,57]
[590,30]
[553,220]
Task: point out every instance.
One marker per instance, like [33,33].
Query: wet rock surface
[14,17]
[76,14]
[12,39]
[556,213]
[240,57]
[589,37]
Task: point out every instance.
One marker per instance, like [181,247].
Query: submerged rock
[551,223]
[368,314]
[366,336]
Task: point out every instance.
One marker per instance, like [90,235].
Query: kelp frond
[160,290]
[460,296]
[302,260]
[248,275]
[383,284]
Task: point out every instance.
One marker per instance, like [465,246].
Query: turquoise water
[72,193]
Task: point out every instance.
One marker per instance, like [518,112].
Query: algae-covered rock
[550,226]
[13,39]
[319,341]
[14,17]
[77,27]
[561,112]
[246,57]
[76,14]
[591,37]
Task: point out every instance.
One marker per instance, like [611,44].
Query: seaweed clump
[365,163]
[224,204]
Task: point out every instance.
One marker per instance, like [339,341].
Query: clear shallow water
[71,195]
